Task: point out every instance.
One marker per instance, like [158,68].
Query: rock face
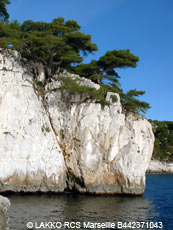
[4,206]
[156,166]
[56,140]
[30,158]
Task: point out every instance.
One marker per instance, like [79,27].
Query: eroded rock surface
[104,151]
[4,206]
[60,140]
[30,157]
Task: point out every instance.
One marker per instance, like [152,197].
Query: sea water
[152,210]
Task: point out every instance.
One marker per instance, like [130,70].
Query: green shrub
[163,147]
[72,85]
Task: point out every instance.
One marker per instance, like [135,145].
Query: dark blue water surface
[159,193]
[156,205]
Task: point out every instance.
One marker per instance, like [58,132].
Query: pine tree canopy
[105,67]
[104,72]
[61,45]
[117,59]
[3,11]
[55,44]
[135,93]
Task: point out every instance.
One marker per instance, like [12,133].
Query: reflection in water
[79,208]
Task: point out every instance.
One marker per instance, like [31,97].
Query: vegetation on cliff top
[163,147]
[60,45]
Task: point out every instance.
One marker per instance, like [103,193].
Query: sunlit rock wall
[60,140]
[30,158]
[104,150]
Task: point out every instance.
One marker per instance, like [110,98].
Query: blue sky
[143,26]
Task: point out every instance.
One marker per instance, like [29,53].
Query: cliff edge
[60,140]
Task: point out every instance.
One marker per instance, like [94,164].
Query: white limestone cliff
[156,166]
[60,140]
[30,158]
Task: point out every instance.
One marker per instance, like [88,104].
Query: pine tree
[3,10]
[56,44]
[60,44]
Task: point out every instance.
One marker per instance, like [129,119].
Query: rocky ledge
[156,166]
[52,140]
